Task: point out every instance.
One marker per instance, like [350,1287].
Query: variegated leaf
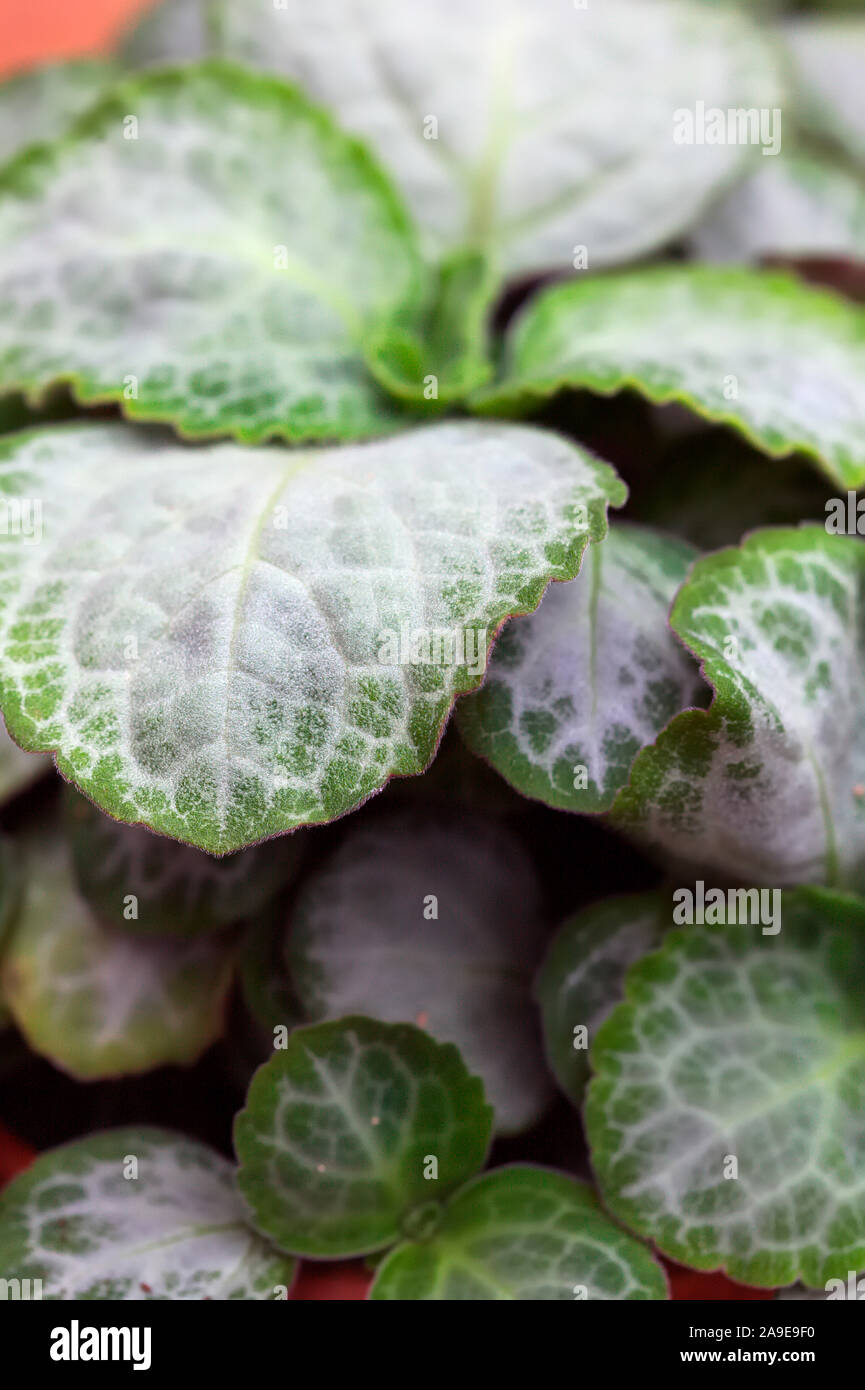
[578,688]
[226,644]
[93,1000]
[177,890]
[726,1117]
[523,1234]
[135,1214]
[436,924]
[778,361]
[205,248]
[583,974]
[516,128]
[768,784]
[354,1132]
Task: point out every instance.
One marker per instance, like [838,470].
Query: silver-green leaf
[726,1117]
[436,924]
[92,999]
[778,361]
[578,688]
[828,54]
[39,104]
[522,130]
[796,206]
[225,644]
[582,978]
[176,890]
[205,248]
[354,1133]
[767,785]
[135,1214]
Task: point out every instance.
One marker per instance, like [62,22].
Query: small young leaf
[135,1214]
[224,644]
[438,924]
[446,356]
[354,1133]
[798,205]
[577,689]
[17,768]
[725,1117]
[513,128]
[205,248]
[582,978]
[39,104]
[768,784]
[94,1001]
[777,360]
[828,56]
[178,891]
[527,1234]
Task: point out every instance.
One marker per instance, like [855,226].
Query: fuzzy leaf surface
[523,1234]
[212,640]
[590,678]
[767,785]
[362,940]
[779,361]
[553,124]
[339,1127]
[736,1045]
[218,265]
[95,1001]
[175,1230]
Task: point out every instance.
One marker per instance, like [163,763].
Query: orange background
[33,31]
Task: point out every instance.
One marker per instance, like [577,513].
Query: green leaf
[798,205]
[135,1214]
[767,784]
[582,978]
[171,265]
[17,768]
[212,640]
[577,689]
[515,129]
[828,56]
[341,1127]
[447,355]
[178,891]
[437,924]
[94,1001]
[39,104]
[778,361]
[736,1045]
[526,1234]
